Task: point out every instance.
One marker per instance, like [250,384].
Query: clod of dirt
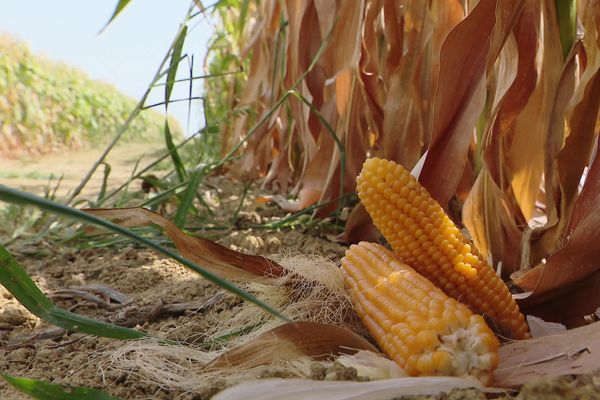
[335,372]
[12,315]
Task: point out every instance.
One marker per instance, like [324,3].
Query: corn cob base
[415,323]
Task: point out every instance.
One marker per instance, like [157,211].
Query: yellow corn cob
[424,237]
[415,323]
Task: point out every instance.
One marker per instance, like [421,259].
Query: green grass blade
[179,167]
[175,59]
[16,196]
[188,198]
[51,391]
[120,6]
[15,279]
[566,12]
[102,193]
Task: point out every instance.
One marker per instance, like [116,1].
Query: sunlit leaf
[220,260]
[120,6]
[174,63]
[177,162]
[292,340]
[188,198]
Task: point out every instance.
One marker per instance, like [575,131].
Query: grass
[27,175]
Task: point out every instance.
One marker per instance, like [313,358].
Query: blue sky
[126,54]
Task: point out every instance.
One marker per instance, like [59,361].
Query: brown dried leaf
[343,90]
[292,340]
[579,257]
[408,71]
[574,352]
[359,226]
[222,261]
[570,307]
[572,135]
[460,95]
[492,225]
[500,136]
[383,389]
[577,218]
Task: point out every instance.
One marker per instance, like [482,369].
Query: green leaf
[51,391]
[102,193]
[566,12]
[120,6]
[179,167]
[16,196]
[188,198]
[16,280]
[175,59]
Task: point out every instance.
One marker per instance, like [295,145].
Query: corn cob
[424,237]
[415,323]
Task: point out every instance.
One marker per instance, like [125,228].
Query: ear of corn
[423,236]
[414,322]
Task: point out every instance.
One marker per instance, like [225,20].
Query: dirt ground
[33,172]
[152,286]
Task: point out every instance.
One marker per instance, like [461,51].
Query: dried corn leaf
[573,130]
[573,352]
[570,306]
[301,389]
[499,139]
[292,340]
[359,226]
[492,225]
[579,257]
[578,223]
[407,72]
[460,94]
[222,261]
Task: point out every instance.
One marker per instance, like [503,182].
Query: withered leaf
[224,262]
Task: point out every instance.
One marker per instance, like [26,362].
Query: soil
[33,172]
[32,348]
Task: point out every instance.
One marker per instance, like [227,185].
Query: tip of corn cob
[423,236]
[414,322]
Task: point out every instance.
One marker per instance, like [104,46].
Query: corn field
[46,106]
